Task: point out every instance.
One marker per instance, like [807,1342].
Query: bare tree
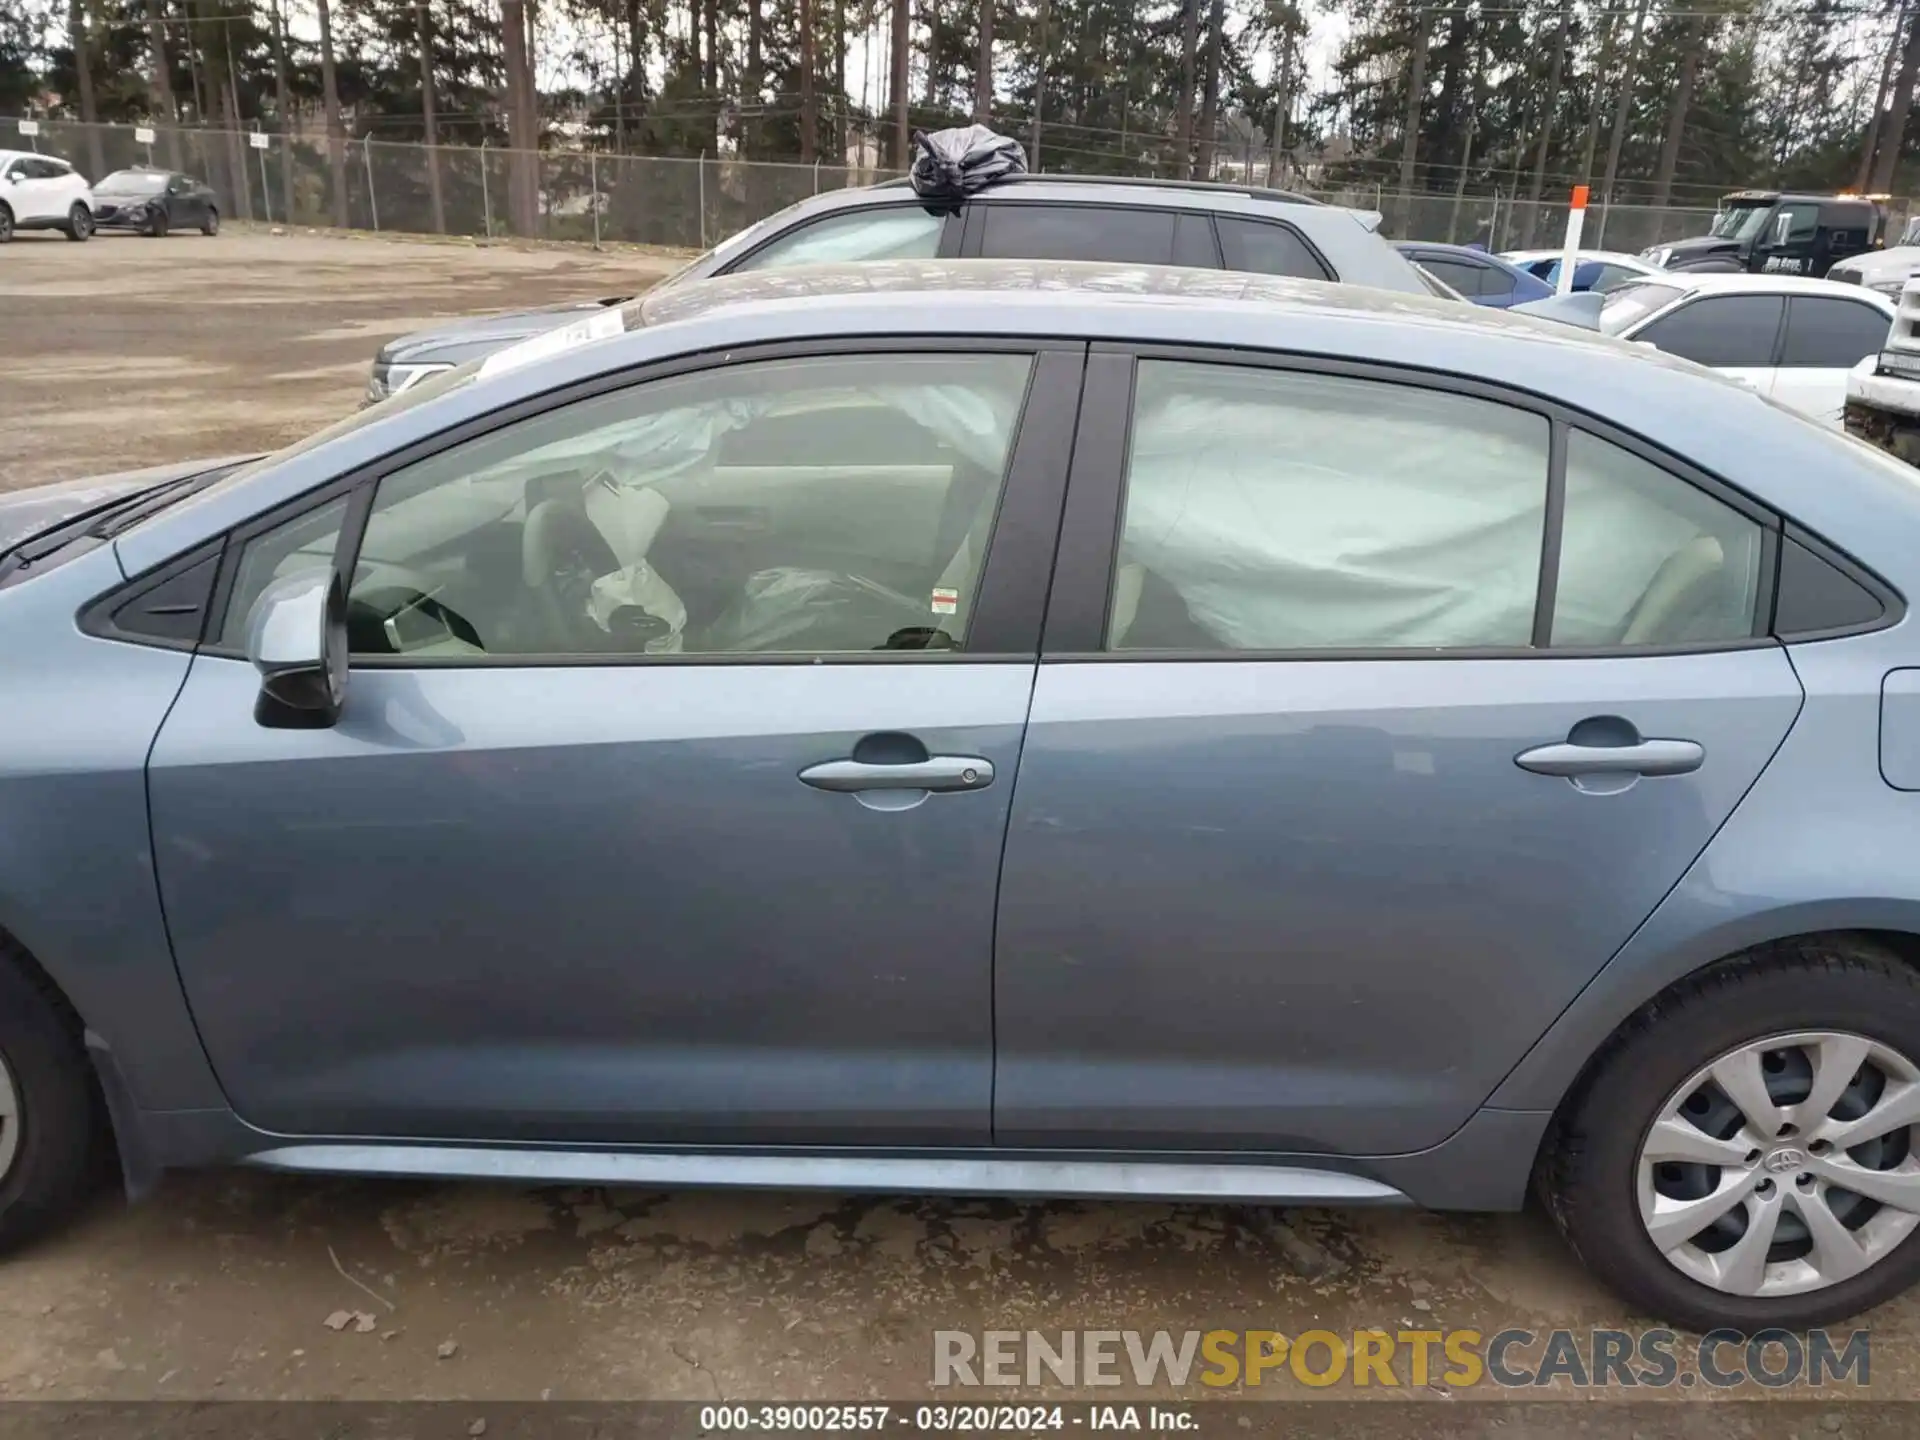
[1600,71]
[983,68]
[79,34]
[1183,112]
[902,51]
[1893,130]
[336,137]
[1690,58]
[423,34]
[1210,89]
[752,82]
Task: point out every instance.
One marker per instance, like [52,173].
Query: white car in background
[1788,336]
[39,192]
[1593,269]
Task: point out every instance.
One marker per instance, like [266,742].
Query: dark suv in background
[1023,217]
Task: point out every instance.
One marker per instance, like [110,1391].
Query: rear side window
[1461,276]
[905,232]
[1831,334]
[1077,232]
[1721,330]
[1267,249]
[1495,282]
[1392,517]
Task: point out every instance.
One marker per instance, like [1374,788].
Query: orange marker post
[1569,257]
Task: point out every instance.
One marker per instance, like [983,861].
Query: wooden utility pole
[423,30]
[1210,90]
[80,35]
[983,68]
[1416,97]
[902,52]
[1183,115]
[1622,103]
[336,138]
[283,104]
[1040,90]
[809,105]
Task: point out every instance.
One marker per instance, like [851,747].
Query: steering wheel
[561,555]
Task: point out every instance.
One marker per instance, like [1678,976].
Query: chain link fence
[584,195]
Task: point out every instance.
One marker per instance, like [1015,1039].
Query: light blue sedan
[999,727]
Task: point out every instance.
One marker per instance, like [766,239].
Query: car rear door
[1738,335]
[1826,336]
[1352,760]
[625,835]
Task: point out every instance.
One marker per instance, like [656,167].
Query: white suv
[38,192]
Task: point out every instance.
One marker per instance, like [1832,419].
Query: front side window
[1727,331]
[819,505]
[904,232]
[1646,558]
[1276,510]
[1796,224]
[1829,334]
[1266,248]
[1078,232]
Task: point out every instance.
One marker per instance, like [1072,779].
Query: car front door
[1355,758]
[661,807]
[1738,335]
[1826,337]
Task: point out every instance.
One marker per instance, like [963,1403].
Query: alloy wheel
[1786,1165]
[9,1120]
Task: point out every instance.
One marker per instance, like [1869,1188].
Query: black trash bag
[813,611]
[953,164]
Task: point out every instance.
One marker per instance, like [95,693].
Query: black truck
[1782,233]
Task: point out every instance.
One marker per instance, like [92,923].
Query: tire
[157,227]
[79,224]
[211,225]
[50,1144]
[6,224]
[1590,1175]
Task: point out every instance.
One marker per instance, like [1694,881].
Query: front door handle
[936,772]
[1646,757]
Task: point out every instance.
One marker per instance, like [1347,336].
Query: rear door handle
[936,772]
[1648,757]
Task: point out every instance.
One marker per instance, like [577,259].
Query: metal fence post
[486,200]
[816,175]
[703,199]
[266,190]
[593,204]
[373,201]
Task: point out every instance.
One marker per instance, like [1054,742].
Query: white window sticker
[946,602]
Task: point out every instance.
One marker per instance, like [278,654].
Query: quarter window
[904,232]
[821,505]
[1646,558]
[1276,510]
[1728,331]
[1267,249]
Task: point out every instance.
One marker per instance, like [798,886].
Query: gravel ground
[221,1286]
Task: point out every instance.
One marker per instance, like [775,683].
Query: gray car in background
[1023,217]
[973,727]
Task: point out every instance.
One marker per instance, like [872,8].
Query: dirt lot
[220,1287]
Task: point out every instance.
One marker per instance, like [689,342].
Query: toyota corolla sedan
[911,727]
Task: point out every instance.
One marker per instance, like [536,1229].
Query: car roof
[8,156]
[1464,252]
[1129,190]
[1527,257]
[1752,283]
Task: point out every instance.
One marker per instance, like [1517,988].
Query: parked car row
[43,192]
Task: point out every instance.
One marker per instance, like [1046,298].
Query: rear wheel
[1747,1153]
[79,222]
[211,225]
[49,1118]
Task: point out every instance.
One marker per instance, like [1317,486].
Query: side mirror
[297,640]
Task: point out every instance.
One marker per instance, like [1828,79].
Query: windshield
[1740,223]
[1626,306]
[729,246]
[133,182]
